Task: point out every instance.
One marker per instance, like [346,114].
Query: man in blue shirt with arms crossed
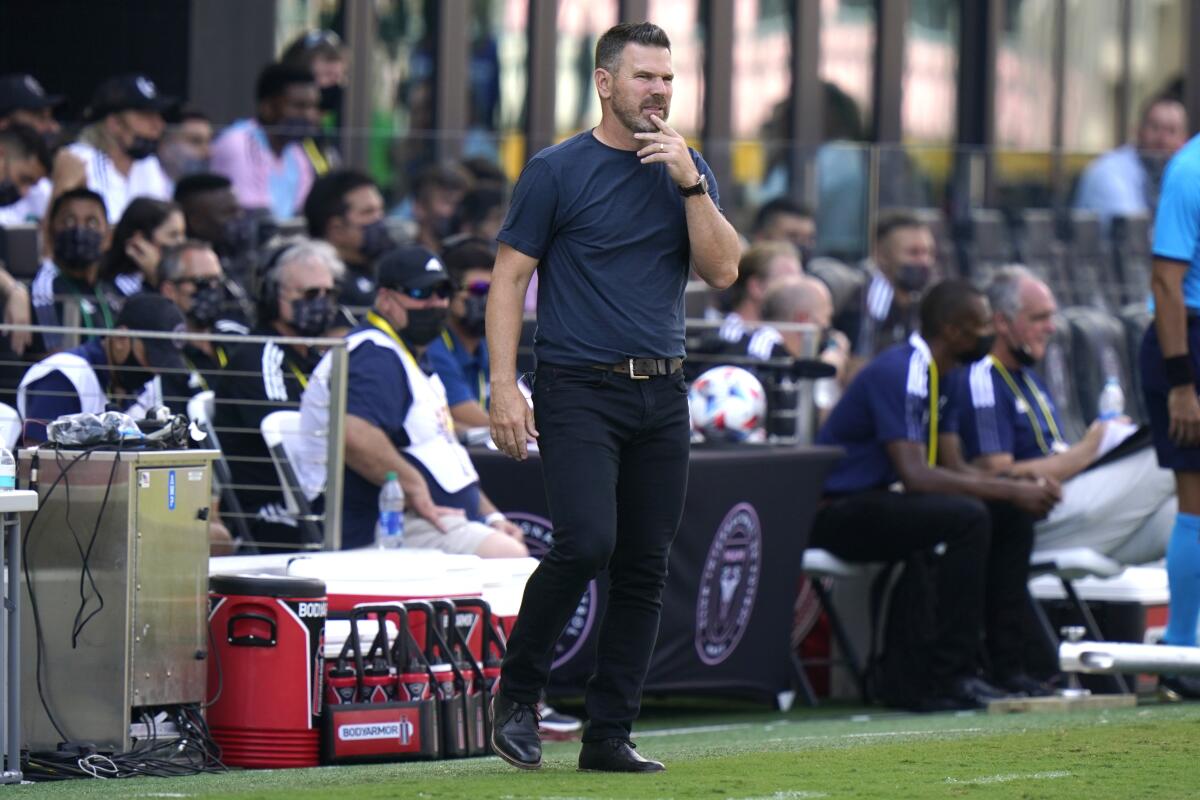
[610,219]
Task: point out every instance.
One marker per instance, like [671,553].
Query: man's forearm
[1170,313]
[370,453]
[505,307]
[714,242]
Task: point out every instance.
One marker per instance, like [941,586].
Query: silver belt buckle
[633,375]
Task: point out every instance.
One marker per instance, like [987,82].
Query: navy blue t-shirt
[887,402]
[995,420]
[611,237]
[379,393]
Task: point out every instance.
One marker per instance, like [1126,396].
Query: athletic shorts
[1155,389]
[462,536]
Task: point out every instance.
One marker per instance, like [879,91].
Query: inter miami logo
[728,585]
[538,536]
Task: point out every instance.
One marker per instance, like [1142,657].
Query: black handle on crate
[250,640]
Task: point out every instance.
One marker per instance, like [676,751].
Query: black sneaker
[614,755]
[1179,687]
[1022,684]
[515,733]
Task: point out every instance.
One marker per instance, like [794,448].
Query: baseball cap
[22,92]
[126,93]
[153,312]
[411,267]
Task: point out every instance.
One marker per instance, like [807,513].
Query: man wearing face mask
[345,208]
[115,155]
[459,355]
[437,192]
[23,103]
[113,372]
[78,230]
[263,157]
[903,487]
[903,266]
[296,299]
[186,147]
[397,421]
[785,220]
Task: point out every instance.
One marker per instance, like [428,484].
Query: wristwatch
[700,187]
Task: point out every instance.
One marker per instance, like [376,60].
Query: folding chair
[10,426]
[279,429]
[200,411]
[818,566]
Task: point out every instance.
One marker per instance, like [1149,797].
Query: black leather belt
[639,369]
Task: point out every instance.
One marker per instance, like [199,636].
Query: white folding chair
[279,432]
[10,426]
[201,409]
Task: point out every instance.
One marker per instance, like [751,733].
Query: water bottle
[8,470]
[1112,400]
[389,531]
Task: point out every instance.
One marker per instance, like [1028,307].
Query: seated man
[742,302]
[296,299]
[460,355]
[785,220]
[1124,509]
[903,488]
[397,421]
[345,208]
[113,373]
[807,300]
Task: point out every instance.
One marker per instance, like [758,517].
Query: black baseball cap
[153,312]
[127,93]
[411,267]
[22,92]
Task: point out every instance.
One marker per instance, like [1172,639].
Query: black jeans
[615,459]
[981,585]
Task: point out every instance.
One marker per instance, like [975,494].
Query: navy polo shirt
[378,392]
[888,401]
[54,395]
[464,374]
[610,235]
[993,419]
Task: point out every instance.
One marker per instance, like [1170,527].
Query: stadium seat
[1089,264]
[200,411]
[10,426]
[697,298]
[1039,249]
[843,281]
[1135,318]
[1056,371]
[987,244]
[279,429]
[935,220]
[19,250]
[1099,352]
[820,566]
[1131,256]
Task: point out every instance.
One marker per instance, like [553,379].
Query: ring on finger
[662,147]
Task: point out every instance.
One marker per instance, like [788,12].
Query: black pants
[614,458]
[981,585]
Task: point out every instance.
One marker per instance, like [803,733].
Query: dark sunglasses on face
[477,288]
[442,290]
[314,292]
[200,283]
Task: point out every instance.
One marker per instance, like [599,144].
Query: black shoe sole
[624,771]
[496,749]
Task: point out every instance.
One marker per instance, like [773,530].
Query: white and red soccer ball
[728,404]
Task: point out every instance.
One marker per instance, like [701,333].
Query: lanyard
[933,412]
[222,361]
[482,394]
[101,303]
[300,376]
[445,421]
[1041,403]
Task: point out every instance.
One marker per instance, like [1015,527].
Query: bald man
[805,299]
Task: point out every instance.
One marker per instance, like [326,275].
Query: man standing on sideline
[611,219]
[1170,363]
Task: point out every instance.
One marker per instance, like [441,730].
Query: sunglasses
[200,283]
[314,292]
[443,290]
[477,288]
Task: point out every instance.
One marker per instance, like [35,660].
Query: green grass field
[1147,752]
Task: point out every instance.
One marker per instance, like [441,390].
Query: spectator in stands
[459,356]
[904,264]
[186,147]
[24,165]
[296,299]
[78,235]
[807,300]
[480,215]
[131,262]
[759,266]
[115,155]
[785,220]
[1126,181]
[436,194]
[24,102]
[1009,425]
[191,277]
[113,371]
[264,157]
[212,215]
[321,52]
[485,173]
[397,421]
[345,208]
[896,430]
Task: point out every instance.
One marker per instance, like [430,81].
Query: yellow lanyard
[446,421]
[933,412]
[222,360]
[1033,420]
[482,396]
[315,157]
[300,376]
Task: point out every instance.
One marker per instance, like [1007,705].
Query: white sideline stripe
[1013,776]
[880,734]
[697,729]
[772,725]
[782,795]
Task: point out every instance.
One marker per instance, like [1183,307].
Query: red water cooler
[266,669]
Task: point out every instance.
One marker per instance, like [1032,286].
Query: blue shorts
[1155,388]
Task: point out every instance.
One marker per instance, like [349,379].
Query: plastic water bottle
[1112,400]
[8,470]
[389,530]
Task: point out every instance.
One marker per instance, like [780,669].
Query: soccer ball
[728,404]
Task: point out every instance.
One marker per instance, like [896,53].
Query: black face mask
[132,376]
[983,346]
[76,248]
[9,193]
[912,277]
[1022,354]
[442,227]
[473,320]
[375,240]
[141,147]
[313,317]
[424,325]
[331,98]
[208,303]
[294,129]
[238,237]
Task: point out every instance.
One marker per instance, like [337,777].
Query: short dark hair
[274,80]
[753,264]
[440,176]
[22,141]
[779,207]
[485,172]
[80,193]
[199,183]
[467,255]
[947,303]
[327,198]
[612,43]
[478,203]
[894,220]
[190,114]
[1157,100]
